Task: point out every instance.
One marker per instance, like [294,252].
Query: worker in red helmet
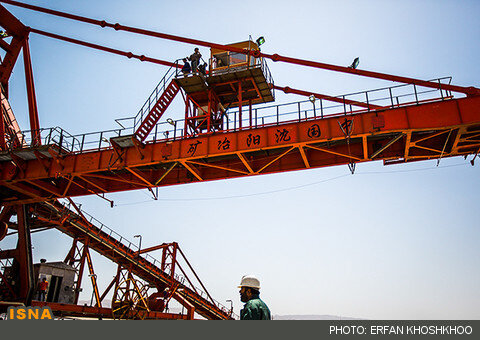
[254,308]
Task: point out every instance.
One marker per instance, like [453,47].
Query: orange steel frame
[420,132]
[87,236]
[430,130]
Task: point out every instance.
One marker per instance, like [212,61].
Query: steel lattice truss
[41,166]
[418,132]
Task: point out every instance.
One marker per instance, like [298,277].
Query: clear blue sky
[395,242]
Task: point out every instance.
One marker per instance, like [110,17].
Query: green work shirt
[255,309]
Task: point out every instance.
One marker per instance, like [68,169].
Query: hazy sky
[393,242]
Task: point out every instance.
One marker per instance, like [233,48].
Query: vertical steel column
[117,282]
[93,277]
[174,258]
[164,259]
[3,139]
[70,258]
[209,113]
[80,274]
[240,104]
[250,112]
[32,101]
[24,257]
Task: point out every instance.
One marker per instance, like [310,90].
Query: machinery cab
[224,60]
[233,80]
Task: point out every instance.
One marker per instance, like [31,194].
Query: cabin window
[221,60]
[237,58]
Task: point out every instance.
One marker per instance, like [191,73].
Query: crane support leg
[24,258]
[32,101]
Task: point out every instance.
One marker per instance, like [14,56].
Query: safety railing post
[391,96]
[368,104]
[61,138]
[416,95]
[49,137]
[100,141]
[440,88]
[321,108]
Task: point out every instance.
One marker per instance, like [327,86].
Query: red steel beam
[106,49]
[3,136]
[64,309]
[471,91]
[24,257]
[345,101]
[273,140]
[32,101]
[427,116]
[77,227]
[18,32]
[93,277]
[275,57]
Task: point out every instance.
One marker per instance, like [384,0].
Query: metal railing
[388,97]
[152,99]
[4,265]
[51,136]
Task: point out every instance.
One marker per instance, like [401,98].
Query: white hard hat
[249,281]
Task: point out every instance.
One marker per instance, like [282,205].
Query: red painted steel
[18,32]
[11,131]
[63,310]
[345,101]
[432,130]
[275,57]
[25,285]
[254,151]
[105,49]
[32,101]
[77,227]
[157,110]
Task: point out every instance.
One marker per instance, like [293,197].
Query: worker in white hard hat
[254,308]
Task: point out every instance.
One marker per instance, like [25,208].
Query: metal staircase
[6,290]
[111,245]
[156,105]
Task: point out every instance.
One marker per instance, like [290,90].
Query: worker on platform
[186,69]
[42,289]
[202,68]
[195,59]
[254,308]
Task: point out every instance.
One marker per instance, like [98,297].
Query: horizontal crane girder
[427,131]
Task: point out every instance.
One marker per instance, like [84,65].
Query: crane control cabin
[231,80]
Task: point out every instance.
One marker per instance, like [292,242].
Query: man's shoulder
[255,303]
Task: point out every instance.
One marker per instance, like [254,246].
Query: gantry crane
[228,131]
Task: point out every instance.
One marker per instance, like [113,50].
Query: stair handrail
[154,96]
[145,257]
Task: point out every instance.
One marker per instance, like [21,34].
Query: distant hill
[313,317]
